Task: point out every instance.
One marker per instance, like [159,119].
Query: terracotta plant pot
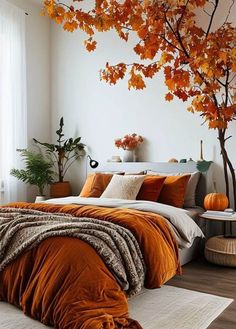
[60,189]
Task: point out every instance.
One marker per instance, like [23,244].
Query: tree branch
[227,86]
[220,82]
[182,15]
[170,43]
[234,76]
[177,36]
[227,17]
[212,17]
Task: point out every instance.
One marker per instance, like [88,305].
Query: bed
[205,185]
[53,267]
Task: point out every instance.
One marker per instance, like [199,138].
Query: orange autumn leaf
[170,84]
[169,97]
[142,32]
[181,94]
[60,10]
[136,21]
[214,124]
[136,81]
[190,109]
[138,49]
[223,56]
[59,19]
[150,70]
[70,26]
[90,46]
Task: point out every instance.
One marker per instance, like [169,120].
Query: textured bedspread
[22,229]
[63,281]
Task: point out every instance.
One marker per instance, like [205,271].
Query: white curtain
[13,125]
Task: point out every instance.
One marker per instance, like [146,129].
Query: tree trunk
[40,190]
[60,170]
[61,154]
[227,165]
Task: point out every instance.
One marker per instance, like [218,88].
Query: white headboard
[205,184]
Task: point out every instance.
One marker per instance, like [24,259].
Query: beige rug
[165,308]
[176,308]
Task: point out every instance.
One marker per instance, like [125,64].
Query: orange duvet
[64,283]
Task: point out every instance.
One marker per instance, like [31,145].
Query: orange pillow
[173,190]
[87,186]
[99,184]
[151,188]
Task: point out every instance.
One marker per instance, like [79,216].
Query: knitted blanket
[23,229]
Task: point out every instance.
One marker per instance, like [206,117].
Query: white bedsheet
[184,227]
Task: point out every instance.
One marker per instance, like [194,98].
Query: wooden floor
[202,276]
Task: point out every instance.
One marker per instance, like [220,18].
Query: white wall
[38,48]
[100,113]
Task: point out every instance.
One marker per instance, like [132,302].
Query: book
[221,214]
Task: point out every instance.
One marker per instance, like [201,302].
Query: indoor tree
[184,38]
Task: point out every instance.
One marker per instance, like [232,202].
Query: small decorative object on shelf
[129,144]
[115,158]
[173,160]
[203,165]
[201,151]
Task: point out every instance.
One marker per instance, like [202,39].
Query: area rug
[165,308]
[176,308]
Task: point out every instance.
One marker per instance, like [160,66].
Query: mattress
[194,214]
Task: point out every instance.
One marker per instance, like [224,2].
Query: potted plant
[38,171]
[64,153]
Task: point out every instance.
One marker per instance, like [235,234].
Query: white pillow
[123,187]
[190,193]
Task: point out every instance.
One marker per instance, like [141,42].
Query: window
[13,113]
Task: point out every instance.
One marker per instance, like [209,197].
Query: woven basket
[222,251]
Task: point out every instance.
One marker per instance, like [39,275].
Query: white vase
[129,156]
[40,198]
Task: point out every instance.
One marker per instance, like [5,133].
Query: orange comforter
[64,283]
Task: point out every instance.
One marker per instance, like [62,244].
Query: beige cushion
[123,187]
[190,193]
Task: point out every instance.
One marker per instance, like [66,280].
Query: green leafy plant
[38,170]
[65,152]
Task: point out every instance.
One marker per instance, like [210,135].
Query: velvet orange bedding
[64,283]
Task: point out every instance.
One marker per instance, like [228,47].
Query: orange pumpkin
[216,201]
